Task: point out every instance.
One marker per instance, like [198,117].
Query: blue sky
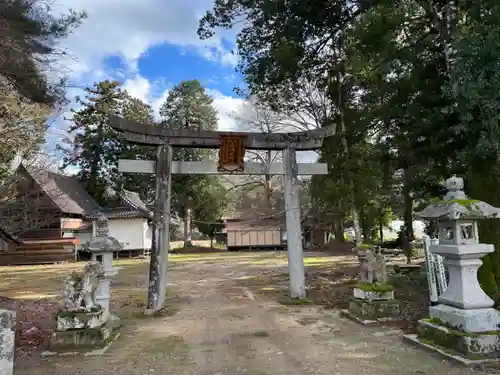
[149,46]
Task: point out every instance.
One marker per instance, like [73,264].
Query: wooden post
[161,232]
[293,225]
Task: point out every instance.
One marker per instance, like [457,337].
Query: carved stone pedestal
[69,320]
[80,332]
[84,327]
[370,306]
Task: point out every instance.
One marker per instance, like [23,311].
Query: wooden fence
[36,251]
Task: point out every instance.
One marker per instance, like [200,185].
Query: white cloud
[128,28]
[141,88]
[226,107]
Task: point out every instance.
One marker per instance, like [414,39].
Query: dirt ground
[222,319]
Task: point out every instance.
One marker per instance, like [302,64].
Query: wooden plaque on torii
[232,152]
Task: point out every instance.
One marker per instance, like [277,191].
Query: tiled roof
[132,207]
[65,191]
[116,213]
[134,201]
[125,213]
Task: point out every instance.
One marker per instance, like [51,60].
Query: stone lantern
[464,320]
[102,248]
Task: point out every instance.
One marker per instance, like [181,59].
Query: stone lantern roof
[456,206]
[103,242]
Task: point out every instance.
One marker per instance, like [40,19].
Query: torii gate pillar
[161,231]
[293,225]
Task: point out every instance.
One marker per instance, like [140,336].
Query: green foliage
[210,207]
[28,38]
[29,34]
[188,106]
[143,183]
[22,127]
[419,80]
[97,146]
[475,79]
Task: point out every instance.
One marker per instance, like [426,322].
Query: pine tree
[29,33]
[188,106]
[97,146]
[143,183]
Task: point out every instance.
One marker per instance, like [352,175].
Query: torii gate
[231,147]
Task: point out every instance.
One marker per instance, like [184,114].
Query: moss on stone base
[374,309]
[469,345]
[379,288]
[455,330]
[79,313]
[467,203]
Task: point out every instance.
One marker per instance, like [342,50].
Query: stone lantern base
[468,336]
[369,306]
[470,320]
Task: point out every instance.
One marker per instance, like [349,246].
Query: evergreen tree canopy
[28,38]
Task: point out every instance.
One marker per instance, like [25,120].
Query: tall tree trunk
[96,158]
[267,190]
[381,230]
[365,230]
[408,215]
[338,229]
[267,181]
[343,136]
[187,227]
[357,227]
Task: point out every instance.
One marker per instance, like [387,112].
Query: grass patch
[317,261]
[365,246]
[136,305]
[288,301]
[379,288]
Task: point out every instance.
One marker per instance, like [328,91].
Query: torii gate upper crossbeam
[140,133]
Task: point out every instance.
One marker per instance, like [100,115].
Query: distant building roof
[132,207]
[116,213]
[134,201]
[65,191]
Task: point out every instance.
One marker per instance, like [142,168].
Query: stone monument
[373,298]
[7,340]
[464,321]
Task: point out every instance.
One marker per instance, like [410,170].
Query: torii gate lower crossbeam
[164,167]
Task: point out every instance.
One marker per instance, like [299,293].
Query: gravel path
[223,329]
